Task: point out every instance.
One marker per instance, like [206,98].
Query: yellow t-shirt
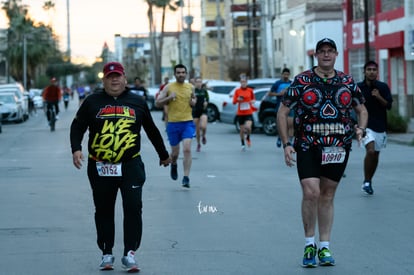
[180,108]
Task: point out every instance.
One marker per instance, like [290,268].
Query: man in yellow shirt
[180,98]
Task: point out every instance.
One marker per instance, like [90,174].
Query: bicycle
[51,115]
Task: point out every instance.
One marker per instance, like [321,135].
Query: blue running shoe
[325,257]
[309,256]
[186,182]
[367,188]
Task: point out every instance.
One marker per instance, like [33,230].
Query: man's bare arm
[163,97]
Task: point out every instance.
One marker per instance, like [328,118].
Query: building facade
[261,37]
[135,53]
[391,44]
[291,29]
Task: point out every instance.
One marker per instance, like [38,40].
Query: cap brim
[114,71]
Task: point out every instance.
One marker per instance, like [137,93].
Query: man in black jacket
[114,117]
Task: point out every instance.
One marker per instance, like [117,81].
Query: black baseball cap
[325,41]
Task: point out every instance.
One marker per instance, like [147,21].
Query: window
[388,5]
[358,9]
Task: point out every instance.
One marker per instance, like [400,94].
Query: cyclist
[51,96]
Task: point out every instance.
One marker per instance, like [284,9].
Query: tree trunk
[155,51]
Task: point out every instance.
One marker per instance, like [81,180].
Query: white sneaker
[107,262]
[129,263]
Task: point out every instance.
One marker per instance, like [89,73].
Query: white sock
[309,240]
[324,244]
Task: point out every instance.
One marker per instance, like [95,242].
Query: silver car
[22,96]
[229,112]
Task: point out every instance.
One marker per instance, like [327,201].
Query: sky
[95,22]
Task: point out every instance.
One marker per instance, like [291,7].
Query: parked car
[257,83]
[11,108]
[152,95]
[229,112]
[37,98]
[150,99]
[267,115]
[218,92]
[1,115]
[22,96]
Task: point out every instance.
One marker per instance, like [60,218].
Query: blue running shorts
[177,131]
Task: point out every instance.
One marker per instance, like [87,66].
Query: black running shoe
[174,173]
[367,188]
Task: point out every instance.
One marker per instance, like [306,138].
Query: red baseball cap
[113,67]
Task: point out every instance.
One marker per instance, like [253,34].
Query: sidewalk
[403,138]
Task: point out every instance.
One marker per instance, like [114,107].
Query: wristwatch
[287,144]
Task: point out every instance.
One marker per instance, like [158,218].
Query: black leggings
[105,191]
[50,105]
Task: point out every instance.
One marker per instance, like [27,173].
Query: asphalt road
[240,216]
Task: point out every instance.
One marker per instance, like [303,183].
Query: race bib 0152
[109,169]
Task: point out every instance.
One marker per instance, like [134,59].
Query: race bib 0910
[333,155]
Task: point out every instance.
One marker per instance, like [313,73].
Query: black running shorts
[309,165]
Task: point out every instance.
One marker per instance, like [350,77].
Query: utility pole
[68,50]
[255,52]
[189,21]
[366,31]
[24,62]
[249,35]
[271,17]
[219,39]
[263,35]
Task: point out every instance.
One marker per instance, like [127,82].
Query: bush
[396,123]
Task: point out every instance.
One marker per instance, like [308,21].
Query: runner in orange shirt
[244,97]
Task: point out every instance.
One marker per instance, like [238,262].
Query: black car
[267,115]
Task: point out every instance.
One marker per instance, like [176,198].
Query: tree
[41,44]
[156,48]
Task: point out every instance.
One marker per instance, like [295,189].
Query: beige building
[212,41]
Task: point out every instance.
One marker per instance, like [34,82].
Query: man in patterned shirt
[322,99]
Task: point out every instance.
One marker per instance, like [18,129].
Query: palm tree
[156,49]
[49,6]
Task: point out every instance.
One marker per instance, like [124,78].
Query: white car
[11,108]
[257,83]
[22,96]
[218,92]
[36,95]
[229,112]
